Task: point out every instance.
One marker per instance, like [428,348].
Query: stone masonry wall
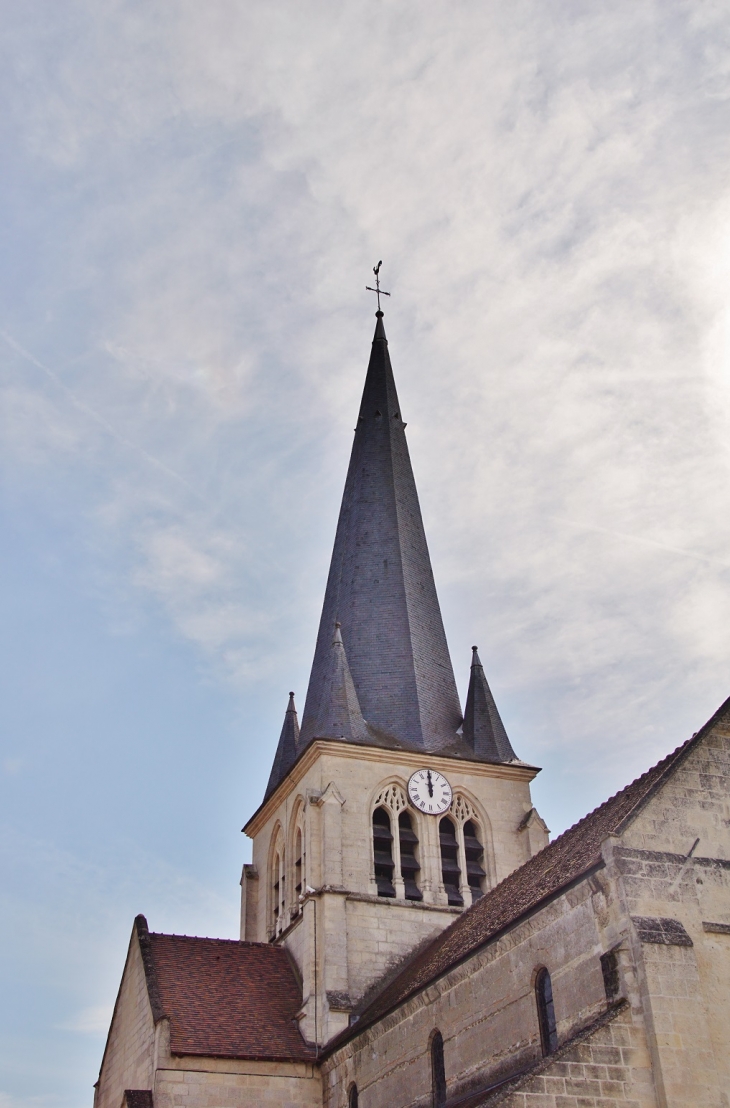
[608,1068]
[129,1058]
[484,1008]
[222,1083]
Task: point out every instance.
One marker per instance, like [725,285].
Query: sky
[193,197]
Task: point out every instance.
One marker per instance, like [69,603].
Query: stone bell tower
[353,867]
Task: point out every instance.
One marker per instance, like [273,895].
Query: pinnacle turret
[483,727]
[287,750]
[340,716]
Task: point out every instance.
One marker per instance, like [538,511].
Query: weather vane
[377,290]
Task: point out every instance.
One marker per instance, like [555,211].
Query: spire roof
[286,751]
[483,727]
[381,588]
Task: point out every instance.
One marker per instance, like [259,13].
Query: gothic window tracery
[395,845]
[469,850]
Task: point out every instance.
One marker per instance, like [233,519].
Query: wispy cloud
[197,195]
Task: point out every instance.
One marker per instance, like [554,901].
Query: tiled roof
[224,998]
[559,864]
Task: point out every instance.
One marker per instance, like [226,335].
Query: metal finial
[377,290]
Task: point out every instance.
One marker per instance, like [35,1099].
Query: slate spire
[381,589]
[286,751]
[483,727]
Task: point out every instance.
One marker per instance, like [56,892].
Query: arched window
[450,872]
[474,855]
[298,867]
[611,982]
[409,866]
[383,852]
[438,1070]
[277,893]
[352,1096]
[546,1012]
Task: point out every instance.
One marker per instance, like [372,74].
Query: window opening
[298,870]
[609,968]
[546,1012]
[352,1097]
[383,851]
[450,872]
[409,866]
[276,891]
[474,855]
[438,1070]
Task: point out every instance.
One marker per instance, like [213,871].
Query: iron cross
[377,290]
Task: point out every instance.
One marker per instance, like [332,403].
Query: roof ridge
[208,939]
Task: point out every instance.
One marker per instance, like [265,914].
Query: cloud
[197,196]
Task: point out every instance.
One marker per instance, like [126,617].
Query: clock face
[430,792]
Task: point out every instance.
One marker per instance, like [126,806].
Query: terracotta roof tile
[552,869]
[227,999]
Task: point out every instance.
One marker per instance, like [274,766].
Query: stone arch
[276,882]
[297,856]
[389,796]
[465,807]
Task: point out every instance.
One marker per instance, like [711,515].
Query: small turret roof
[286,751]
[483,727]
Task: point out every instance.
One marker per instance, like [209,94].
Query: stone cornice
[505,771]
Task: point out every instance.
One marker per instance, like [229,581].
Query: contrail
[94,415]
[643,541]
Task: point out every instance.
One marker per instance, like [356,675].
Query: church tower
[389,812]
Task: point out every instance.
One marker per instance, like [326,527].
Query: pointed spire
[286,751]
[340,716]
[483,728]
[381,588]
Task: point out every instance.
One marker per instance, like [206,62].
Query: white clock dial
[430,792]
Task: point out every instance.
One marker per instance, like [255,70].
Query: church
[410,938]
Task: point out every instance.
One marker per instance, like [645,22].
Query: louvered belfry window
[383,852]
[409,866]
[450,872]
[546,1012]
[474,855]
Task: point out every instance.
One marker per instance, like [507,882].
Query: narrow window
[609,968]
[298,869]
[438,1070]
[409,867]
[352,1097]
[546,1012]
[276,891]
[383,851]
[450,872]
[474,854]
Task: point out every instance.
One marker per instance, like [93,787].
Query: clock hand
[428,782]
